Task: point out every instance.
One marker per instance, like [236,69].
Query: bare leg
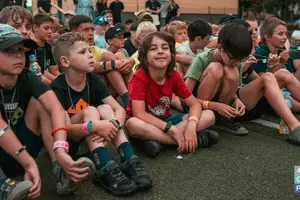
[116,80]
[210,81]
[266,85]
[230,85]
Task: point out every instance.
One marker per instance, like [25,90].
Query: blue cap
[10,36]
[100,20]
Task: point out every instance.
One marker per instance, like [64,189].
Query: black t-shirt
[129,47]
[45,57]
[155,5]
[116,9]
[15,101]
[93,93]
[172,12]
[45,4]
[101,7]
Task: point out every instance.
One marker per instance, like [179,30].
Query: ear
[34,28]
[64,61]
[267,37]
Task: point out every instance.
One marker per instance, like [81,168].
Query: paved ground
[257,166]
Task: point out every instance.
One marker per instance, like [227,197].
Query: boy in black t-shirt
[131,43]
[95,116]
[42,27]
[24,100]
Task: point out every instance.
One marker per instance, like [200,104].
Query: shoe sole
[144,186]
[152,154]
[20,191]
[114,192]
[74,186]
[227,130]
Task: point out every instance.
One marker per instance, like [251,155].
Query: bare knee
[267,78]
[132,124]
[90,110]
[231,74]
[216,70]
[209,117]
[284,76]
[104,108]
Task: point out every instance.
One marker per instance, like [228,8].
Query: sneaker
[137,173]
[207,138]
[230,126]
[152,148]
[294,136]
[66,186]
[113,180]
[14,190]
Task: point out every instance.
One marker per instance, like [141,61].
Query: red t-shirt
[157,97]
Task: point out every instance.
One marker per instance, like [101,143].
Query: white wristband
[4,130]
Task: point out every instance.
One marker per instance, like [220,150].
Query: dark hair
[15,12]
[76,20]
[198,28]
[63,44]
[250,19]
[143,50]
[236,40]
[129,21]
[225,19]
[104,12]
[134,26]
[41,18]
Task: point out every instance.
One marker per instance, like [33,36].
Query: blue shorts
[175,119]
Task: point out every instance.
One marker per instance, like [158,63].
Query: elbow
[139,115]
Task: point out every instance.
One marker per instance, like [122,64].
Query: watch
[168,126]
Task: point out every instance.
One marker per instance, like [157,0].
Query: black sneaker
[294,136]
[137,173]
[113,180]
[152,148]
[207,138]
[230,126]
[14,190]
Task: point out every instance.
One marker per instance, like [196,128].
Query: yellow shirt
[96,52]
[137,62]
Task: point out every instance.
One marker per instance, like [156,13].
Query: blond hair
[145,26]
[268,27]
[176,25]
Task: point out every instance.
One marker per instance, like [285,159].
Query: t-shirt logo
[10,107]
[80,105]
[164,105]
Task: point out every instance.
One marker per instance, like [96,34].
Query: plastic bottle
[283,128]
[34,66]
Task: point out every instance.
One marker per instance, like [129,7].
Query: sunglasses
[236,59]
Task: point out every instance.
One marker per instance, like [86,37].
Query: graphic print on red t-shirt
[157,97]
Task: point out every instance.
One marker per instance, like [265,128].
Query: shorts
[175,119]
[260,108]
[195,92]
[33,144]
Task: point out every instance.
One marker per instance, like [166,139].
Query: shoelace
[138,169]
[117,175]
[6,188]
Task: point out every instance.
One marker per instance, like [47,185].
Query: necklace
[69,94]
[8,117]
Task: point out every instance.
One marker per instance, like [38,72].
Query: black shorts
[260,108]
[33,144]
[195,92]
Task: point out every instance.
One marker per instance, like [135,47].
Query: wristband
[20,151]
[168,126]
[101,67]
[113,64]
[193,118]
[205,104]
[90,126]
[58,129]
[104,66]
[85,128]
[4,130]
[61,144]
[116,123]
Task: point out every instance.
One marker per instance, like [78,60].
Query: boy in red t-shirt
[150,94]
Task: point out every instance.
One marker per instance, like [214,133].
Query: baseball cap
[226,18]
[114,31]
[70,12]
[100,20]
[10,36]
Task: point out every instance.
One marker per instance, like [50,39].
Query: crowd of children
[97,82]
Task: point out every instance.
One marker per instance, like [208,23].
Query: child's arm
[11,145]
[49,76]
[46,81]
[184,59]
[54,70]
[107,57]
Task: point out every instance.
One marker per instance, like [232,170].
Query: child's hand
[99,139]
[225,110]
[105,129]
[191,142]
[71,167]
[32,174]
[178,136]
[284,56]
[240,108]
[126,67]
[273,60]
[251,60]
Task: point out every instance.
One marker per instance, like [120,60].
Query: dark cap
[226,18]
[9,37]
[100,20]
[114,31]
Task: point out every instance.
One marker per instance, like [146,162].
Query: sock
[101,157]
[125,151]
[2,177]
[124,98]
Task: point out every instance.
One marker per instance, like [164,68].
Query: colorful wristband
[61,144]
[20,151]
[85,128]
[4,130]
[116,123]
[90,126]
[193,118]
[58,129]
[205,104]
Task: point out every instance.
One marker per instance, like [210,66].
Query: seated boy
[131,43]
[95,115]
[214,76]
[199,33]
[20,108]
[178,30]
[101,25]
[112,69]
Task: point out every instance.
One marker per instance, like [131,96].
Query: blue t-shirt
[99,41]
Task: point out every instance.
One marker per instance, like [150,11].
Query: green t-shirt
[72,101]
[15,101]
[200,63]
[262,53]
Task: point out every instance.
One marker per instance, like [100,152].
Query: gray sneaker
[66,186]
[294,136]
[14,190]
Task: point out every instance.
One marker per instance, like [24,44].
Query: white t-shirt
[185,47]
